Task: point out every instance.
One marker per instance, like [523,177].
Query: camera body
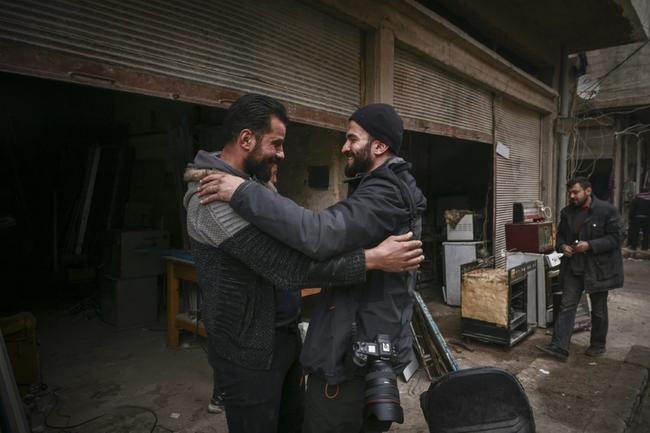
[382,404]
[380,349]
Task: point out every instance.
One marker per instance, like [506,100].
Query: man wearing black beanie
[383,200]
[382,123]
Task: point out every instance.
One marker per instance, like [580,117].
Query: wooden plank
[185,271]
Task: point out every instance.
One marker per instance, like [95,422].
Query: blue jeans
[563,327]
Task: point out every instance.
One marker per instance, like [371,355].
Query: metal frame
[431,347]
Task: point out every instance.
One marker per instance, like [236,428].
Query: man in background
[589,235]
[639,218]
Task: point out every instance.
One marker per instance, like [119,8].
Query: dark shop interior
[91,200]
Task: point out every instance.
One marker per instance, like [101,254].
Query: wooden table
[181,267]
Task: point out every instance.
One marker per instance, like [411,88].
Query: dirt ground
[132,379]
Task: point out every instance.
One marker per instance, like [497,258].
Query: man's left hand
[581,247]
[218,186]
[395,254]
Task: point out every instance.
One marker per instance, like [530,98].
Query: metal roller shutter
[431,100]
[281,48]
[517,177]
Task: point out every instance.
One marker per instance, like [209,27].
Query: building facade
[489,110]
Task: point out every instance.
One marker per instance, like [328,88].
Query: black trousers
[563,327]
[637,225]
[265,401]
[334,408]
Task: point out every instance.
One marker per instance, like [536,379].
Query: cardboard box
[129,302]
[134,253]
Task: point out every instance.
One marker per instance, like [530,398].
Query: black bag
[486,400]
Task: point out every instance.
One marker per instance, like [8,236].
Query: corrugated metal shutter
[281,48]
[425,92]
[517,178]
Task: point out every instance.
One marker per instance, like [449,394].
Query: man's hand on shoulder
[218,186]
[395,254]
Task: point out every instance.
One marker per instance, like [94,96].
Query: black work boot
[595,351]
[554,351]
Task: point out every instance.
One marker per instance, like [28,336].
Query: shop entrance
[454,175]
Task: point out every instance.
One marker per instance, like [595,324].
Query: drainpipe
[564,137]
[618,165]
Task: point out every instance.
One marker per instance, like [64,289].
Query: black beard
[259,168]
[580,204]
[361,162]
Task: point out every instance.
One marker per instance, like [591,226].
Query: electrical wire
[593,146]
[67,427]
[628,57]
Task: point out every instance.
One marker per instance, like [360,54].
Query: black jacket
[640,206]
[383,202]
[603,229]
[239,268]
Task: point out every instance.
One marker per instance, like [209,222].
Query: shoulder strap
[408,198]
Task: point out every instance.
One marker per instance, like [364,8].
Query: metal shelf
[518,318]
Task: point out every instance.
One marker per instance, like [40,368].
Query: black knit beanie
[382,122]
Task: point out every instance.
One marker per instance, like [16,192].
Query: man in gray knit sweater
[250,281]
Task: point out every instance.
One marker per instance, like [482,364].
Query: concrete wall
[311,146]
[642,9]
[626,86]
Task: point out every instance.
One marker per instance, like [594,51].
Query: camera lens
[382,404]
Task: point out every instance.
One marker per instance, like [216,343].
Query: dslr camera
[382,405]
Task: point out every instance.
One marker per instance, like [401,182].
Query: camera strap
[409,200]
[407,196]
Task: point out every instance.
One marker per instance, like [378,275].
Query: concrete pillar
[380,60]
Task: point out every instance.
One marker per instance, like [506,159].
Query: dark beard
[580,204]
[258,167]
[361,161]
